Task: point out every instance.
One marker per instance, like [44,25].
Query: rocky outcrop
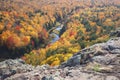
[11,67]
[116,33]
[98,62]
[112,47]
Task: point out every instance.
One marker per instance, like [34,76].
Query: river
[56,36]
[53,34]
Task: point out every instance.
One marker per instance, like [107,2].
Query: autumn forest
[28,27]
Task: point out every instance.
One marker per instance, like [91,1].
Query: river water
[54,39]
[56,36]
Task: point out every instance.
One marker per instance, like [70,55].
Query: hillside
[29,28]
[97,62]
[32,5]
[59,39]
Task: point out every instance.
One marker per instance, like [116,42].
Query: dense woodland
[25,27]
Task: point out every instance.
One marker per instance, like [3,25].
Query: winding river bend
[55,34]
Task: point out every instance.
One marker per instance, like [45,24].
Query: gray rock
[45,78]
[106,54]
[11,67]
[115,51]
[116,33]
[113,43]
[112,78]
[75,60]
[85,55]
[104,59]
[48,78]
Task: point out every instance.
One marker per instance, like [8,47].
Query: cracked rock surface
[98,62]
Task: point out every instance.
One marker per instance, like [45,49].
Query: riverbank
[55,33]
[98,62]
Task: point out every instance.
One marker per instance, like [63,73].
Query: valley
[29,29]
